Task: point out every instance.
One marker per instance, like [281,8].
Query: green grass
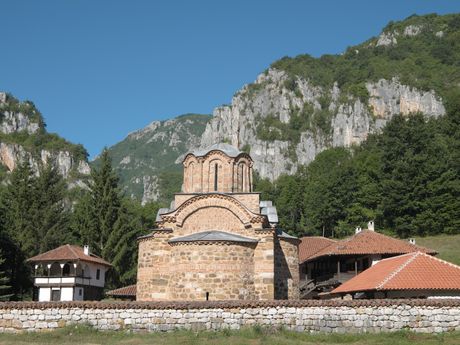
[448,246]
[253,336]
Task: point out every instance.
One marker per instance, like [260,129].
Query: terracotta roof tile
[310,245]
[68,252]
[369,242]
[413,271]
[129,290]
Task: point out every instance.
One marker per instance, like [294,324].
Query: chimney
[370,225]
[357,230]
[86,249]
[412,241]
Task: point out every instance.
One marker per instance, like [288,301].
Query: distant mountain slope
[301,106]
[23,136]
[150,157]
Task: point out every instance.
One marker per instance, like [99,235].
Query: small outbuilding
[69,273]
[413,275]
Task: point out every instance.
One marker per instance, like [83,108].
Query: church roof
[368,242]
[68,252]
[413,271]
[213,236]
[228,149]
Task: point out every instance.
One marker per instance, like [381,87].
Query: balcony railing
[50,280]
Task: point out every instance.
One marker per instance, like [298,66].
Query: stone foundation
[429,316]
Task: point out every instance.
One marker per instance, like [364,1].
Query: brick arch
[213,200]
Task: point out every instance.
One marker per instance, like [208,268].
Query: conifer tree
[17,205]
[5,288]
[50,216]
[103,207]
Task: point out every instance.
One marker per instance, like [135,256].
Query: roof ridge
[72,250]
[399,269]
[441,260]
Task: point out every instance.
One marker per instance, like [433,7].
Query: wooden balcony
[61,280]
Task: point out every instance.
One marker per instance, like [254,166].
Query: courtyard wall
[429,316]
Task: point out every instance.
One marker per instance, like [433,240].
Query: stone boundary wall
[430,316]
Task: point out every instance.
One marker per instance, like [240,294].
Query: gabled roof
[368,242]
[213,236]
[68,252]
[228,149]
[311,245]
[413,271]
[126,291]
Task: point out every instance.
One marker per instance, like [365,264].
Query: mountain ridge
[301,106]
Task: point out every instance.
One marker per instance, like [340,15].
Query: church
[217,240]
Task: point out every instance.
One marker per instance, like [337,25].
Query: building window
[98,274]
[216,176]
[79,292]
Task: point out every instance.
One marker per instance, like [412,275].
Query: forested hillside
[148,161]
[407,178]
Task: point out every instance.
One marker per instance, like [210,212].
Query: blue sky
[100,69]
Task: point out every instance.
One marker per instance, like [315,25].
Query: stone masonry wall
[302,316]
[224,271]
[286,268]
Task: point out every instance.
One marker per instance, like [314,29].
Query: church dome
[217,168]
[228,149]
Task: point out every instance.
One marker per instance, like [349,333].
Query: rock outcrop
[13,152]
[352,120]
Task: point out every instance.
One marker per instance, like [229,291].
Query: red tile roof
[311,245]
[413,271]
[125,291]
[68,252]
[368,242]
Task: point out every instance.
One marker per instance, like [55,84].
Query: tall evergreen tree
[49,214]
[5,288]
[103,207]
[18,205]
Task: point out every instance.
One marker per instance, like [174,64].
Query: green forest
[407,179]
[38,213]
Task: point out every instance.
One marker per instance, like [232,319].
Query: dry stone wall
[429,316]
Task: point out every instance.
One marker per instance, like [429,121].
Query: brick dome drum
[218,240]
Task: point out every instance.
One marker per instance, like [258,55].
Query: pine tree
[5,288]
[104,205]
[50,216]
[17,236]
[17,205]
[122,247]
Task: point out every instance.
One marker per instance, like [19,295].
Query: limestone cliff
[23,137]
[303,105]
[351,120]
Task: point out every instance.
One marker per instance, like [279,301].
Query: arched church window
[191,168]
[216,176]
[241,177]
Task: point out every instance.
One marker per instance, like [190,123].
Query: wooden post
[356,267]
[338,270]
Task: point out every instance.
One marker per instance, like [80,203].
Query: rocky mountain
[23,136]
[301,106]
[148,160]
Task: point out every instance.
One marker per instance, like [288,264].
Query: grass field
[448,246]
[253,336]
